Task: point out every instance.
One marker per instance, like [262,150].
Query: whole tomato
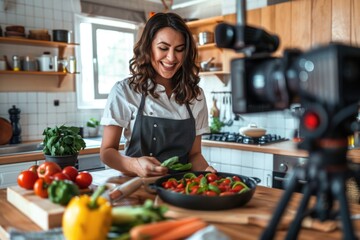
[40,188]
[60,176]
[71,171]
[83,179]
[34,168]
[48,168]
[26,179]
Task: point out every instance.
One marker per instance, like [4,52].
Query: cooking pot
[60,35]
[200,202]
[252,130]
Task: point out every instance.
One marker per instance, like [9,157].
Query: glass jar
[71,66]
[16,63]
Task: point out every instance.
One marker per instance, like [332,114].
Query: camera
[329,74]
[326,81]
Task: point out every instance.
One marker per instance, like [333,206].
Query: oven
[283,166]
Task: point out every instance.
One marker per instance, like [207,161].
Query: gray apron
[160,137]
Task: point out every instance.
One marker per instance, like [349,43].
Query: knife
[129,187]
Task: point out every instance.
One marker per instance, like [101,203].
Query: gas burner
[238,138]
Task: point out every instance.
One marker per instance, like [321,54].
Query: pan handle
[256,179]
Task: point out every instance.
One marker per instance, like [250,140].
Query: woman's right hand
[149,166]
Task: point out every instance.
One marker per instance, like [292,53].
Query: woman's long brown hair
[185,80]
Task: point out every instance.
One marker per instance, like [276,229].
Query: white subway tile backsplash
[246,171]
[33,119]
[42,97]
[13,98]
[31,97]
[3,97]
[32,108]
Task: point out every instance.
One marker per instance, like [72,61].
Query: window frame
[86,99]
[95,27]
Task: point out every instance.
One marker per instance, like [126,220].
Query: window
[106,46]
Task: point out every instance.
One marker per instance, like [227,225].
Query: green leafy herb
[63,140]
[92,122]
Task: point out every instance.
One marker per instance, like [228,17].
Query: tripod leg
[296,223]
[338,190]
[269,232]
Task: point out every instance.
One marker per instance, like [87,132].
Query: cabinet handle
[280,179]
[268,177]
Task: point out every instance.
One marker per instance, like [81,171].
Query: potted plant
[93,127]
[62,145]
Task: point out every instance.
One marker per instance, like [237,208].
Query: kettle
[47,62]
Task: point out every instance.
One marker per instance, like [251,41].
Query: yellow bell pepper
[87,217]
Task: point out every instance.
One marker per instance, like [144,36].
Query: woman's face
[168,49]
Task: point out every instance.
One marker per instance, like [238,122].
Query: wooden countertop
[38,155]
[288,148]
[11,217]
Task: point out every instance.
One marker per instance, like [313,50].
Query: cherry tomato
[71,171]
[83,179]
[210,193]
[40,188]
[211,177]
[226,193]
[27,179]
[236,178]
[226,181]
[60,176]
[167,185]
[48,168]
[237,188]
[34,168]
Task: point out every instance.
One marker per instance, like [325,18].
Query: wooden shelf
[213,73]
[207,46]
[31,42]
[60,75]
[201,22]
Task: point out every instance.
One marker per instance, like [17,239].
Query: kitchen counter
[288,148]
[11,217]
[92,147]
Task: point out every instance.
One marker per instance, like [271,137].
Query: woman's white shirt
[123,102]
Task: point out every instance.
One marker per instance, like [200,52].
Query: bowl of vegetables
[206,190]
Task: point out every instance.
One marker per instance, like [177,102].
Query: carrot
[182,231]
[151,230]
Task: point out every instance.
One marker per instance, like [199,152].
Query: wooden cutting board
[257,212]
[41,211]
[5,131]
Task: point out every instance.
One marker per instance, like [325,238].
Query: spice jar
[16,63]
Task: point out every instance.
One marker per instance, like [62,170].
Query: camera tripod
[326,175]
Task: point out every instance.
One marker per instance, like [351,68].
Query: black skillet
[199,202]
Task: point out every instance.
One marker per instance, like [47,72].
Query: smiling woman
[160,107]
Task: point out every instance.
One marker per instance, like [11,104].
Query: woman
[161,108]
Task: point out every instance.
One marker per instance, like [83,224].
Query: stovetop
[238,138]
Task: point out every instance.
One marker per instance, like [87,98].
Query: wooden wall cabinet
[61,46]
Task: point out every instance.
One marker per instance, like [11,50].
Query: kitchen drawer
[10,172]
[90,162]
